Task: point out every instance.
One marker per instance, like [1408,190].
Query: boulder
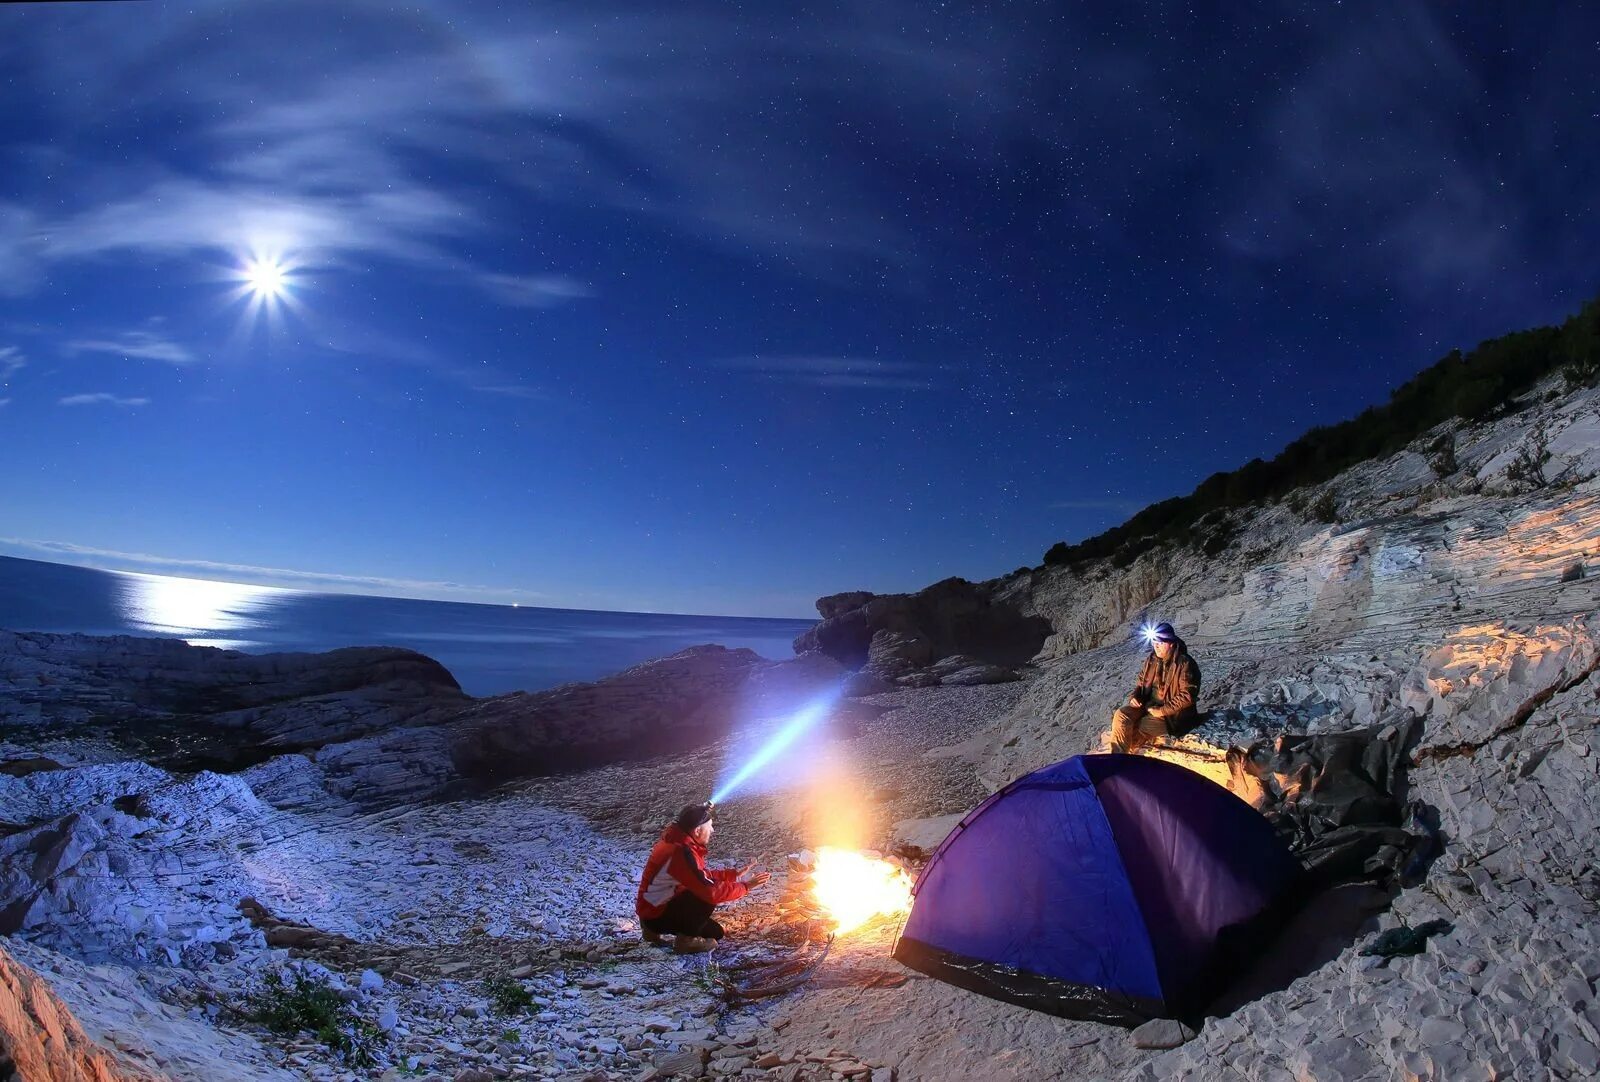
[949,617]
[1162,1033]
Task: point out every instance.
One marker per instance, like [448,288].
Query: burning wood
[829,893]
[846,889]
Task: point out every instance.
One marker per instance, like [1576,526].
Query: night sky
[717,308]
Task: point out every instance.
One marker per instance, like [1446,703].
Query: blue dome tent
[1116,888]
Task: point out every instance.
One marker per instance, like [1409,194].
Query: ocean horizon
[489,649]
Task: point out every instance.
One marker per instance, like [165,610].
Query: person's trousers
[685,915]
[1132,728]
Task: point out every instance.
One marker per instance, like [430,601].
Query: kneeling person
[677,893]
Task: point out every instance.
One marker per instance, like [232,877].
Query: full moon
[265,278]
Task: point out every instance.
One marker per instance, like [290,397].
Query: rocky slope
[1467,597]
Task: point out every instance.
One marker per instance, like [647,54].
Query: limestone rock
[949,617]
[1162,1033]
[40,1038]
[229,708]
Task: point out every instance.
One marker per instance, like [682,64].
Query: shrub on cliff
[1582,346]
[1470,386]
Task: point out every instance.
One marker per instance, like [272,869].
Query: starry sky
[717,308]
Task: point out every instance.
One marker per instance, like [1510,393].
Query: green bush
[308,1004]
[507,996]
[1473,386]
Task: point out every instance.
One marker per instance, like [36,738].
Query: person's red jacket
[678,862]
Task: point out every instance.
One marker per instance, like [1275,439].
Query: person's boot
[652,938]
[692,944]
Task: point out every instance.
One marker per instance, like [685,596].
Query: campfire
[831,892]
[852,888]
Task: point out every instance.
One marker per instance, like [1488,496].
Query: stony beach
[461,871]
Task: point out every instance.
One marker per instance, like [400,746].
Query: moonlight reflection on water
[202,612]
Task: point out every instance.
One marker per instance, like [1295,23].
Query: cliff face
[1350,623]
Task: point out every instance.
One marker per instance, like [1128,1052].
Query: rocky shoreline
[458,873]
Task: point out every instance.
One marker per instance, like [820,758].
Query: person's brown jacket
[1173,685]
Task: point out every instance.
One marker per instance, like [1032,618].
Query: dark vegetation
[305,1004]
[1472,387]
[507,996]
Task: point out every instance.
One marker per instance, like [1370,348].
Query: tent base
[1047,994]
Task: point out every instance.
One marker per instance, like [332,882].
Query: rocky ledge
[188,705]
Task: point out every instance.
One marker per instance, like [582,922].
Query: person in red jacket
[677,893]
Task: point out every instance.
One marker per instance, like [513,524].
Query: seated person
[1162,703]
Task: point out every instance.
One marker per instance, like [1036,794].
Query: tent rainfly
[1116,888]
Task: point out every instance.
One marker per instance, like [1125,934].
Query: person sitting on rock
[1162,703]
[677,893]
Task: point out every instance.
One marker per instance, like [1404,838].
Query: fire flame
[854,887]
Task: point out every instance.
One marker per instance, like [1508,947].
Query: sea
[489,649]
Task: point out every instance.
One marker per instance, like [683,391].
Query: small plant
[709,977]
[511,1035]
[1326,509]
[507,996]
[1442,455]
[306,1003]
[1527,468]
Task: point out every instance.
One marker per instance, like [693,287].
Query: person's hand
[752,876]
[758,879]
[1133,700]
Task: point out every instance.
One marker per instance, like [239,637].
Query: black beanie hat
[1164,633]
[692,815]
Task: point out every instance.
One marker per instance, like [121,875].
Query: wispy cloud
[866,373]
[11,361]
[181,216]
[536,290]
[110,559]
[342,157]
[101,398]
[141,344]
[5,401]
